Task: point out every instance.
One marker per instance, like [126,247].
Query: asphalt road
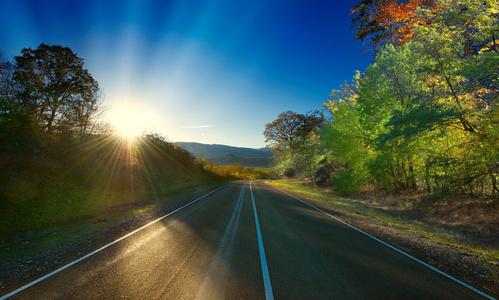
[247,241]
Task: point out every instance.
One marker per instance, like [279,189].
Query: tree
[16,131]
[289,130]
[389,21]
[6,85]
[6,74]
[54,87]
[85,111]
[347,140]
[427,106]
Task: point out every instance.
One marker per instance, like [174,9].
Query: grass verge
[60,234]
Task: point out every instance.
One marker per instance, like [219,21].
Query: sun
[131,119]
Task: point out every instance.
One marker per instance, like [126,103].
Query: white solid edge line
[393,248]
[101,248]
[265,270]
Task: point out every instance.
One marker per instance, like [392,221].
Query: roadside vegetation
[106,174]
[424,115]
[238,171]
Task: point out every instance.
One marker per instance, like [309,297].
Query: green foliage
[239,171]
[424,115]
[347,182]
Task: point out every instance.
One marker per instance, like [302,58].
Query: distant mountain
[227,155]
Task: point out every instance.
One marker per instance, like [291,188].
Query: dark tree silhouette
[46,95]
[289,130]
[53,85]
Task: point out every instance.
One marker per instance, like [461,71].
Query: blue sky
[213,71]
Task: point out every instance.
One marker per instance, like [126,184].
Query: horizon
[259,148]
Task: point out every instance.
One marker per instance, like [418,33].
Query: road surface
[247,240]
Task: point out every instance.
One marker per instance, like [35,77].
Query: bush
[347,182]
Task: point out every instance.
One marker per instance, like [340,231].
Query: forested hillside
[424,116]
[214,151]
[228,155]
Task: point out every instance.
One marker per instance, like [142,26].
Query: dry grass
[474,219]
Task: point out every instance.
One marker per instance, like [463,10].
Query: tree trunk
[493,180]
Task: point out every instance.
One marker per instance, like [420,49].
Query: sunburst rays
[127,171]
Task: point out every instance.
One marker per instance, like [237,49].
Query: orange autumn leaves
[396,17]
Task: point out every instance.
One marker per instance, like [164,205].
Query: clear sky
[213,71]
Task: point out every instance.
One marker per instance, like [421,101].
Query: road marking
[215,281]
[101,248]
[265,270]
[392,247]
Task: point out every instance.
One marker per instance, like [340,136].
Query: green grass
[106,175]
[67,232]
[416,227]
